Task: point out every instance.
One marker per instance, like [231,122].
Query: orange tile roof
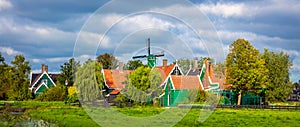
[115,78]
[115,92]
[186,82]
[164,70]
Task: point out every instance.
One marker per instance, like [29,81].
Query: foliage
[279,86]
[20,84]
[89,81]
[71,90]
[5,78]
[143,85]
[245,69]
[133,64]
[219,70]
[54,93]
[68,71]
[197,95]
[185,65]
[72,94]
[108,61]
[121,100]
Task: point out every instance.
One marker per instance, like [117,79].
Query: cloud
[46,60]
[36,39]
[4,4]
[225,9]
[47,30]
[9,51]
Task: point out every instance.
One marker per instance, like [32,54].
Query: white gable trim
[44,73]
[40,87]
[30,78]
[172,83]
[176,65]
[200,82]
[161,95]
[103,74]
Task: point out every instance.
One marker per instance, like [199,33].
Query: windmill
[151,58]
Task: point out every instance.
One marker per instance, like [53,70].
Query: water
[34,123]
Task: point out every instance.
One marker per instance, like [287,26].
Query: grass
[62,115]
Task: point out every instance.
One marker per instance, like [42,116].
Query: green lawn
[61,115]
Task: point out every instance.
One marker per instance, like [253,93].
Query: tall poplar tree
[279,85]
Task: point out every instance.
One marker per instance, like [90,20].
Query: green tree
[5,78]
[196,95]
[185,65]
[108,61]
[279,86]
[219,70]
[245,69]
[68,71]
[20,70]
[143,85]
[89,81]
[133,64]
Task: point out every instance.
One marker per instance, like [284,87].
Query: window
[45,81]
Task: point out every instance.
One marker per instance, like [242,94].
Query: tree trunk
[239,98]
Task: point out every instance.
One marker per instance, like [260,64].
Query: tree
[5,78]
[20,71]
[89,81]
[68,71]
[279,86]
[133,64]
[184,64]
[245,70]
[108,61]
[219,70]
[143,85]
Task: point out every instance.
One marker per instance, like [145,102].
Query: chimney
[43,68]
[46,68]
[195,64]
[165,62]
[121,65]
[208,68]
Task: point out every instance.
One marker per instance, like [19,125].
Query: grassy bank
[62,115]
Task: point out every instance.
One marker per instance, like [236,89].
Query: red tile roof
[186,82]
[164,71]
[115,78]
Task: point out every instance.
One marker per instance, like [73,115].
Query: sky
[50,32]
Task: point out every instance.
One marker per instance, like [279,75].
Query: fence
[269,107]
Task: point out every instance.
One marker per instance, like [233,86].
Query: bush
[55,93]
[197,95]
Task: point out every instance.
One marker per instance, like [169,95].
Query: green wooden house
[39,82]
[176,87]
